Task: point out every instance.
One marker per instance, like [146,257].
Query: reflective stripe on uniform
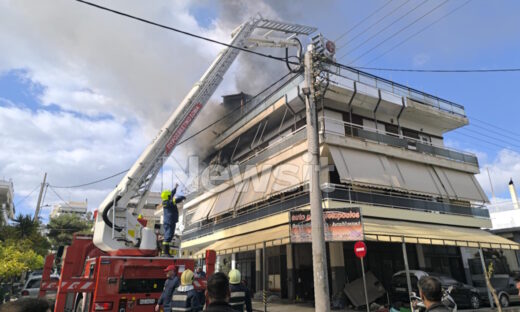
[238,294]
[181,309]
[237,303]
[182,298]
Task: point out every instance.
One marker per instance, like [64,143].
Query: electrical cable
[26,196]
[489,137]
[92,182]
[400,30]
[181,31]
[416,33]
[64,202]
[363,20]
[382,30]
[373,24]
[493,126]
[493,70]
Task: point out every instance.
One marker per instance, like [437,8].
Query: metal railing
[396,140]
[345,72]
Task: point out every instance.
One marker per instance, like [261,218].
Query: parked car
[506,290]
[463,294]
[32,287]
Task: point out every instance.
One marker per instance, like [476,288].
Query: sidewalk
[293,307]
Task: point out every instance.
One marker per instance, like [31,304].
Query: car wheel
[474,302]
[504,301]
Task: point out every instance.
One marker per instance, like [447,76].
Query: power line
[490,137]
[373,24]
[363,20]
[26,196]
[64,202]
[185,32]
[418,32]
[492,125]
[92,182]
[496,132]
[493,70]
[382,30]
[400,30]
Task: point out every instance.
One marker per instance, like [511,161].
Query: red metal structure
[92,280]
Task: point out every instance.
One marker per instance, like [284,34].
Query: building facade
[71,207]
[381,150]
[6,200]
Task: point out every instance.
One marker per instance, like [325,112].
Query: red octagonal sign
[360,249]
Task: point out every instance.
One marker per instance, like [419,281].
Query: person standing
[185,298]
[239,294]
[217,291]
[172,282]
[200,273]
[430,292]
[170,217]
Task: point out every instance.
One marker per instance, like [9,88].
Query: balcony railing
[336,192]
[383,137]
[340,73]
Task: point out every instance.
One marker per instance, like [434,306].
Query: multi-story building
[6,200]
[382,151]
[71,207]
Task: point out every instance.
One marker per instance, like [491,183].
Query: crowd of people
[223,293]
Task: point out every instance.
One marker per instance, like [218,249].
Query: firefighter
[170,217]
[172,282]
[239,294]
[185,298]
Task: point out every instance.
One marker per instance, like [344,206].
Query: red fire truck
[117,269]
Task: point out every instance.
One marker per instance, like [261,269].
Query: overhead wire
[26,196]
[92,182]
[282,59]
[382,30]
[372,25]
[400,30]
[362,21]
[58,195]
[418,32]
[492,70]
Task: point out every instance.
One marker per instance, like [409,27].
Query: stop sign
[360,249]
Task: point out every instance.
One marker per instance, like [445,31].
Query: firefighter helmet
[234,276]
[187,277]
[165,195]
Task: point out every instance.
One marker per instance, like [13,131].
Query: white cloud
[504,166]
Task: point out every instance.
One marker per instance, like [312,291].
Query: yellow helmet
[234,276]
[187,277]
[166,194]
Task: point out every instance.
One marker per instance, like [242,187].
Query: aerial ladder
[118,268]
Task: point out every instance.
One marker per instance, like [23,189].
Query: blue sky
[81,95]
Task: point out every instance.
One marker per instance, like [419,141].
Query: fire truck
[118,268]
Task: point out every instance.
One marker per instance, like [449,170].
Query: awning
[377,170]
[226,200]
[251,241]
[461,185]
[203,208]
[430,234]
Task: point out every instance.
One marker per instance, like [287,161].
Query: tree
[62,228]
[25,226]
[15,258]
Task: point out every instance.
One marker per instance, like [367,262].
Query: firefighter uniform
[170,216]
[185,298]
[239,294]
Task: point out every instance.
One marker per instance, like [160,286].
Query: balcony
[339,127]
[346,76]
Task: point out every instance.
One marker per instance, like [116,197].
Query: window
[391,129]
[411,133]
[34,283]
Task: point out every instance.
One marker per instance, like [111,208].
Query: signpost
[360,249]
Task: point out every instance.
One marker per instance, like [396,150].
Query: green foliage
[62,228]
[25,226]
[15,258]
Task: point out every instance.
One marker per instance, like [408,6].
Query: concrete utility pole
[319,260]
[39,202]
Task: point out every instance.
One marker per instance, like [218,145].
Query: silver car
[31,288]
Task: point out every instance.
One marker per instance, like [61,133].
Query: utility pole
[319,260]
[39,202]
